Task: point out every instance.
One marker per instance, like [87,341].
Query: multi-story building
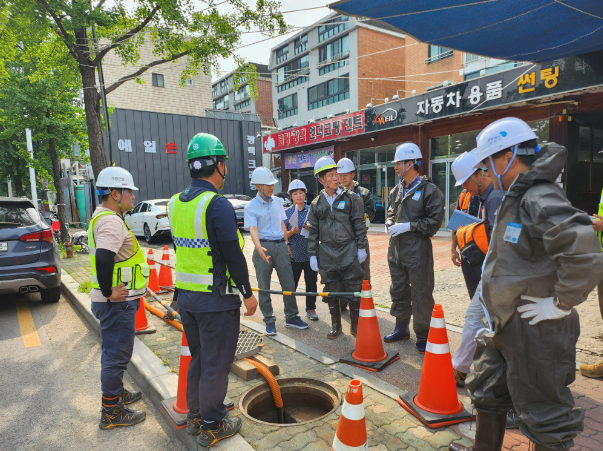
[337,65]
[161,91]
[226,98]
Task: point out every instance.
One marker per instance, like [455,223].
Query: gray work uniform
[341,231]
[549,250]
[410,254]
[369,210]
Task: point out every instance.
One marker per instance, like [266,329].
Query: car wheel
[51,294]
[147,235]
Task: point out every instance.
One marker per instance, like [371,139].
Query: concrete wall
[161,175]
[189,100]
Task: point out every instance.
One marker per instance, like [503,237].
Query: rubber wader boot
[489,434]
[335,319]
[119,415]
[401,332]
[354,313]
[343,306]
[538,447]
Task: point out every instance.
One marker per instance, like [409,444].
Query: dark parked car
[284,197]
[29,257]
[239,201]
[380,210]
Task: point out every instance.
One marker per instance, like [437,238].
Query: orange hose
[160,314]
[264,371]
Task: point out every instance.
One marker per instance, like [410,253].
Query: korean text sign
[307,159]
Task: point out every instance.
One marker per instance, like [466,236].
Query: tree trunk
[58,185]
[19,184]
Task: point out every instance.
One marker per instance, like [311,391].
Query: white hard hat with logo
[323,164]
[503,134]
[407,151]
[115,177]
[297,184]
[464,166]
[263,176]
[345,165]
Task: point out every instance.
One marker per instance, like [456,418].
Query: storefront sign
[327,130]
[307,159]
[527,82]
[366,178]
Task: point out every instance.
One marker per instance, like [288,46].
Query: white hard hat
[407,151]
[297,184]
[115,177]
[345,165]
[324,163]
[502,134]
[263,176]
[464,166]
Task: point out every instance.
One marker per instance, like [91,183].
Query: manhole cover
[304,401]
[249,344]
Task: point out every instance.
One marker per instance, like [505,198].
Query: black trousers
[212,340]
[310,276]
[472,275]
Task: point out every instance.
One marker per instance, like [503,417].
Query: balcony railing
[297,74]
[439,56]
[333,59]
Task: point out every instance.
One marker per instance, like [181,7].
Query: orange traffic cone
[351,429]
[142,325]
[176,408]
[369,353]
[153,281]
[165,273]
[437,403]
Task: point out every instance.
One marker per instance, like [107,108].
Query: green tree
[175,29]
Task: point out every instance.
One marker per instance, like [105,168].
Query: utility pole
[10,187]
[32,171]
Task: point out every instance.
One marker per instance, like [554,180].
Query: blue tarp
[520,30]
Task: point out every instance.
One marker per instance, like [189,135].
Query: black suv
[29,257]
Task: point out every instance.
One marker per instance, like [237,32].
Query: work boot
[513,420]
[401,332]
[489,433]
[592,370]
[118,415]
[354,314]
[335,319]
[193,424]
[129,397]
[226,428]
[459,378]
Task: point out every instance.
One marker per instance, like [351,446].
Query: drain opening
[305,401]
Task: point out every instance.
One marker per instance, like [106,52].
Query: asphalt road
[50,387]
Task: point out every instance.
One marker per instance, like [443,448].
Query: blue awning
[519,30]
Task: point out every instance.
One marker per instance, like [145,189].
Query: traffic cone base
[142,324]
[371,366]
[433,420]
[165,273]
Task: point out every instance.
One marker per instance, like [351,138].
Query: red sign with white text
[327,130]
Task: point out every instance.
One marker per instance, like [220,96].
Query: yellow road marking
[27,326]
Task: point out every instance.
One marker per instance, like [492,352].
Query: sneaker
[513,420]
[193,425]
[271,329]
[296,322]
[118,415]
[421,347]
[129,397]
[226,428]
[312,315]
[459,378]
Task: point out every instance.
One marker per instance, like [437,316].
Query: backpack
[473,242]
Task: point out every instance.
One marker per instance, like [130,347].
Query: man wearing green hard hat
[211,272]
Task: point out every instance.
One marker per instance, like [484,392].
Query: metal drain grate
[249,344]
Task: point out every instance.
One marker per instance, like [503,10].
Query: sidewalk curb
[154,378]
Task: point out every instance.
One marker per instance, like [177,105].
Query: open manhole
[304,400]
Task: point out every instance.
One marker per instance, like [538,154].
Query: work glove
[388,224]
[398,228]
[541,309]
[314,263]
[361,255]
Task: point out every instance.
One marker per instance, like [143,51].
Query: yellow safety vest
[134,271]
[194,264]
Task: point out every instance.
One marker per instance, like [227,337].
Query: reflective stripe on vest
[133,271]
[600,233]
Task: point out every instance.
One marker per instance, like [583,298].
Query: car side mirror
[128,213]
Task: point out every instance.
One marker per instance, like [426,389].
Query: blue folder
[460,219]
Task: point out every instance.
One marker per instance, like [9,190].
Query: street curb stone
[154,378]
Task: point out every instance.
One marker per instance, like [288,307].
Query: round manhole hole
[304,400]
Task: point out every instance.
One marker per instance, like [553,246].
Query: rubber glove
[361,255]
[398,228]
[541,309]
[313,263]
[388,224]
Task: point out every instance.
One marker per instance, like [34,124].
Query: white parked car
[149,219]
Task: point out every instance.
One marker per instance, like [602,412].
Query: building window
[287,106]
[189,82]
[333,53]
[296,81]
[158,80]
[282,54]
[224,86]
[214,90]
[300,44]
[470,57]
[437,53]
[299,66]
[332,28]
[221,103]
[243,104]
[329,92]
[241,93]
